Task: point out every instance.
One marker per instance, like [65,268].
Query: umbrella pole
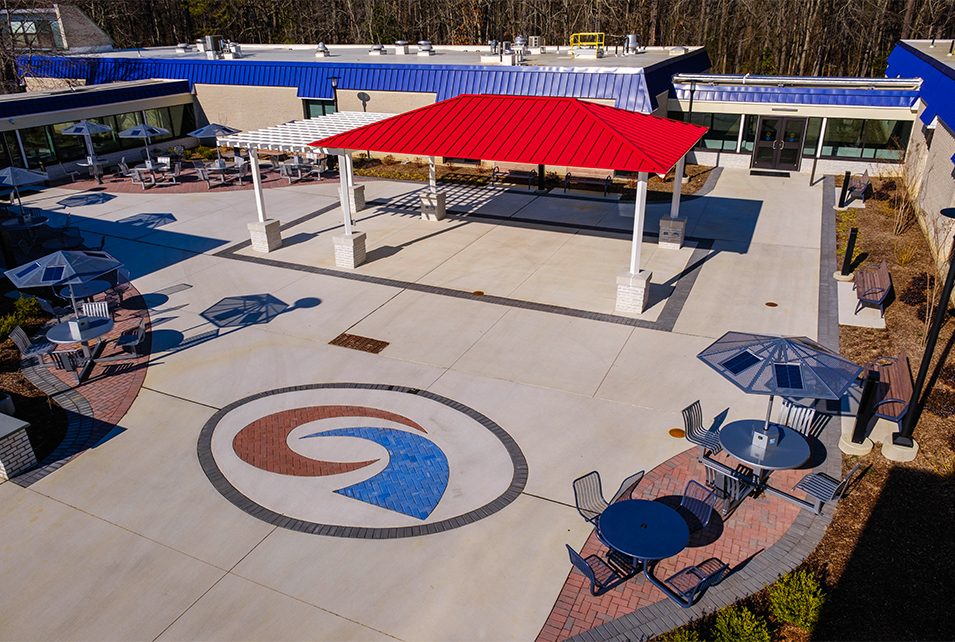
[89,146]
[73,300]
[16,191]
[769,412]
[147,150]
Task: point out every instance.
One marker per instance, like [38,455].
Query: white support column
[356,194]
[638,216]
[673,229]
[349,247]
[433,201]
[266,234]
[632,285]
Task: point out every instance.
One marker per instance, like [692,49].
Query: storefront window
[12,150]
[749,134]
[811,141]
[159,118]
[886,139]
[68,148]
[38,145]
[843,138]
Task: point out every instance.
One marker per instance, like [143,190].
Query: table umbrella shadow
[699,537]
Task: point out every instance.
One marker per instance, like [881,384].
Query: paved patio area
[175,526]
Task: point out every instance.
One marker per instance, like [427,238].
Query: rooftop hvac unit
[401,47]
[535,41]
[424,48]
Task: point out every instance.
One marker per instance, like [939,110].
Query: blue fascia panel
[80,100]
[938,81]
[311,79]
[800,95]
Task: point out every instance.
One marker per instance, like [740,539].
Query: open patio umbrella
[63,268]
[214,130]
[143,131]
[786,366]
[15,176]
[85,128]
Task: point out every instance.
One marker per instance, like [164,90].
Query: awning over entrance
[538,131]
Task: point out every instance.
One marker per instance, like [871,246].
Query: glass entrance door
[779,143]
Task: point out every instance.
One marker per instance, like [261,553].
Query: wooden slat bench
[894,391]
[499,174]
[872,285]
[579,179]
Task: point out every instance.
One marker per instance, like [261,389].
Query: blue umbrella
[143,131]
[15,176]
[786,366]
[85,128]
[63,268]
[214,130]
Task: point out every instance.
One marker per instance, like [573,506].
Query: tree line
[784,37]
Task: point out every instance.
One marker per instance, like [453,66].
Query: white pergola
[294,137]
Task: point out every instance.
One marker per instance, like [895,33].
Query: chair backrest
[177,169]
[123,167]
[96,309]
[841,488]
[693,422]
[20,338]
[797,417]
[198,165]
[627,487]
[46,306]
[699,500]
[141,332]
[581,565]
[588,496]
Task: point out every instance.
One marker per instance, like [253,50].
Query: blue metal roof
[799,95]
[938,81]
[66,100]
[627,87]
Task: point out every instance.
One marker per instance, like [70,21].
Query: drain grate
[356,342]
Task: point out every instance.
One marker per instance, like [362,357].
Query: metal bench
[571,179]
[872,285]
[894,391]
[859,185]
[499,174]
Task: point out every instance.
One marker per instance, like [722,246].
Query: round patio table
[20,223]
[643,529]
[791,451]
[86,290]
[98,326]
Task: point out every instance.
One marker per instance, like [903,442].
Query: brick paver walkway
[98,404]
[755,526]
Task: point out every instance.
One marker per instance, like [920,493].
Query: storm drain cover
[356,342]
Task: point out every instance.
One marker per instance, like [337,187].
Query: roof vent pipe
[321,51]
[401,47]
[377,50]
[951,49]
[424,48]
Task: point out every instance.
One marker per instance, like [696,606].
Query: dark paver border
[803,536]
[231,493]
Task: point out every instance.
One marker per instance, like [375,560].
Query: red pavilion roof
[538,131]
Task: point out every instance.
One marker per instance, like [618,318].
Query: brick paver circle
[252,451]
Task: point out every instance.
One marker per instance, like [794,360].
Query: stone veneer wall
[16,453]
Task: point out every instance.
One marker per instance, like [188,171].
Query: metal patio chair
[823,488]
[797,417]
[144,178]
[690,583]
[588,494]
[69,360]
[696,433]
[132,340]
[28,348]
[700,501]
[602,575]
[57,312]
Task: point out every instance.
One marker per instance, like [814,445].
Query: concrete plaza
[132,540]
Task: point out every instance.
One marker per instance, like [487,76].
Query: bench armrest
[871,291]
[893,400]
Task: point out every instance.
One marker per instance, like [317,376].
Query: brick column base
[267,236]
[671,233]
[632,291]
[349,249]
[16,453]
[356,198]
[432,206]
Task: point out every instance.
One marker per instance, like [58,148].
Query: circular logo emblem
[360,460]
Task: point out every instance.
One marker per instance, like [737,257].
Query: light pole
[904,436]
[334,81]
